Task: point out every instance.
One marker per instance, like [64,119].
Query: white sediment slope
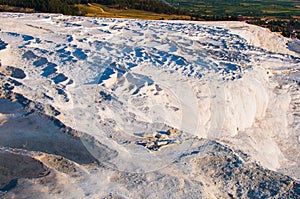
[127,82]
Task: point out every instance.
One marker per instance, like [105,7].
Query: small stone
[149,144]
[162,143]
[163,137]
[160,136]
[173,132]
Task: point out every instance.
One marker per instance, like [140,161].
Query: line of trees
[53,6]
[147,5]
[288,28]
[67,6]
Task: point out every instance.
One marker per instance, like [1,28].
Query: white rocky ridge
[148,99]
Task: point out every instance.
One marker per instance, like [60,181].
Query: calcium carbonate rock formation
[120,108]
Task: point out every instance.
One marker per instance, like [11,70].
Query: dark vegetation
[68,6]
[52,6]
[287,28]
[147,5]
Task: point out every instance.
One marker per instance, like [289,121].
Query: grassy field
[280,9]
[97,10]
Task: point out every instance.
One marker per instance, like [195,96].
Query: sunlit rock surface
[119,108]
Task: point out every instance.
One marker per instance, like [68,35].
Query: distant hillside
[218,9]
[68,6]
